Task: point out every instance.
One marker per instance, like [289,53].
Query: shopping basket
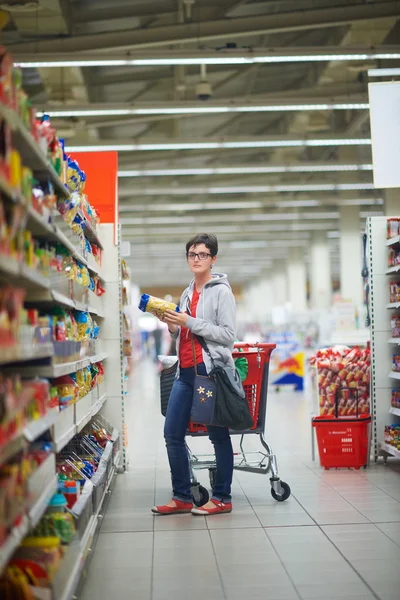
[256,388]
[343,441]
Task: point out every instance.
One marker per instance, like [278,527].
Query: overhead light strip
[248,205]
[294,143]
[198,110]
[212,58]
[248,189]
[252,170]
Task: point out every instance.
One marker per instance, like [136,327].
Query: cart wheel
[285,495]
[200,495]
[212,473]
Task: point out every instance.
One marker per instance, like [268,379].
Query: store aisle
[337,537]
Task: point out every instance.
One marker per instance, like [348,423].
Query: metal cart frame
[263,462]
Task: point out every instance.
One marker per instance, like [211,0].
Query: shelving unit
[40,360]
[383,345]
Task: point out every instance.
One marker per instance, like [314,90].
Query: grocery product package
[156,306]
[343,378]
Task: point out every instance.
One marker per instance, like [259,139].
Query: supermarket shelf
[13,541]
[393,305]
[25,275]
[57,370]
[390,450]
[97,406]
[394,375]
[91,233]
[393,241]
[394,341]
[20,353]
[36,512]
[53,297]
[36,428]
[98,357]
[395,411]
[32,155]
[84,404]
[64,439]
[11,448]
[394,269]
[42,228]
[83,547]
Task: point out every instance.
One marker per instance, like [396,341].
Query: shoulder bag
[204,395]
[231,408]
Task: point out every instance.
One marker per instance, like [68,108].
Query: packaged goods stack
[343,427]
[58,454]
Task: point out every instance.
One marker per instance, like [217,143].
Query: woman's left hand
[175,318]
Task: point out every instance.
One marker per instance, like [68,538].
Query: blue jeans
[176,424]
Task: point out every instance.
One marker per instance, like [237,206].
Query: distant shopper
[158,336]
[207,309]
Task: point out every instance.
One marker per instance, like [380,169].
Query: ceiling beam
[218,29]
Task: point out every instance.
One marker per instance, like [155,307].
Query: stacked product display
[343,377]
[343,427]
[58,453]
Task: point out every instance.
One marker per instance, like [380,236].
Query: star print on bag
[201,390]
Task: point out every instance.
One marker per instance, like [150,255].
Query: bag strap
[193,352]
[203,344]
[200,339]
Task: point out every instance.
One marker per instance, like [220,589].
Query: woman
[208,309]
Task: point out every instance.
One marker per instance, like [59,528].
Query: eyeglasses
[200,255]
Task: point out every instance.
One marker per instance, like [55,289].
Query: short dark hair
[210,241]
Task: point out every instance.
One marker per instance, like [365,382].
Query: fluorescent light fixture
[198,206]
[298,203]
[248,189]
[361,202]
[190,206]
[292,216]
[262,228]
[198,110]
[226,57]
[300,143]
[248,244]
[251,170]
[384,72]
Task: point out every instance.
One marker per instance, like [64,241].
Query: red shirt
[185,342]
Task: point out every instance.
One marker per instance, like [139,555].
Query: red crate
[342,442]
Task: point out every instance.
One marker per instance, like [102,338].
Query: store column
[392,202]
[351,285]
[279,286]
[297,280]
[320,272]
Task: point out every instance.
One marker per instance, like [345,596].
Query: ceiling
[229,177]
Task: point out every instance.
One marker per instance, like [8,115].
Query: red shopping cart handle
[248,346]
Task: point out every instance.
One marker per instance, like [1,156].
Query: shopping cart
[256,389]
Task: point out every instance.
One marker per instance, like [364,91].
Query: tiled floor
[337,537]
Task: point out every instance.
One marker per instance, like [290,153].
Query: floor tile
[321,544]
[392,530]
[338,591]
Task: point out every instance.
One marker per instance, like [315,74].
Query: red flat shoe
[179,508]
[220,508]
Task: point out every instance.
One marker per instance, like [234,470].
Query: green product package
[242,366]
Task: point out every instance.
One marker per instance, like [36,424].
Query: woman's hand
[177,319]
